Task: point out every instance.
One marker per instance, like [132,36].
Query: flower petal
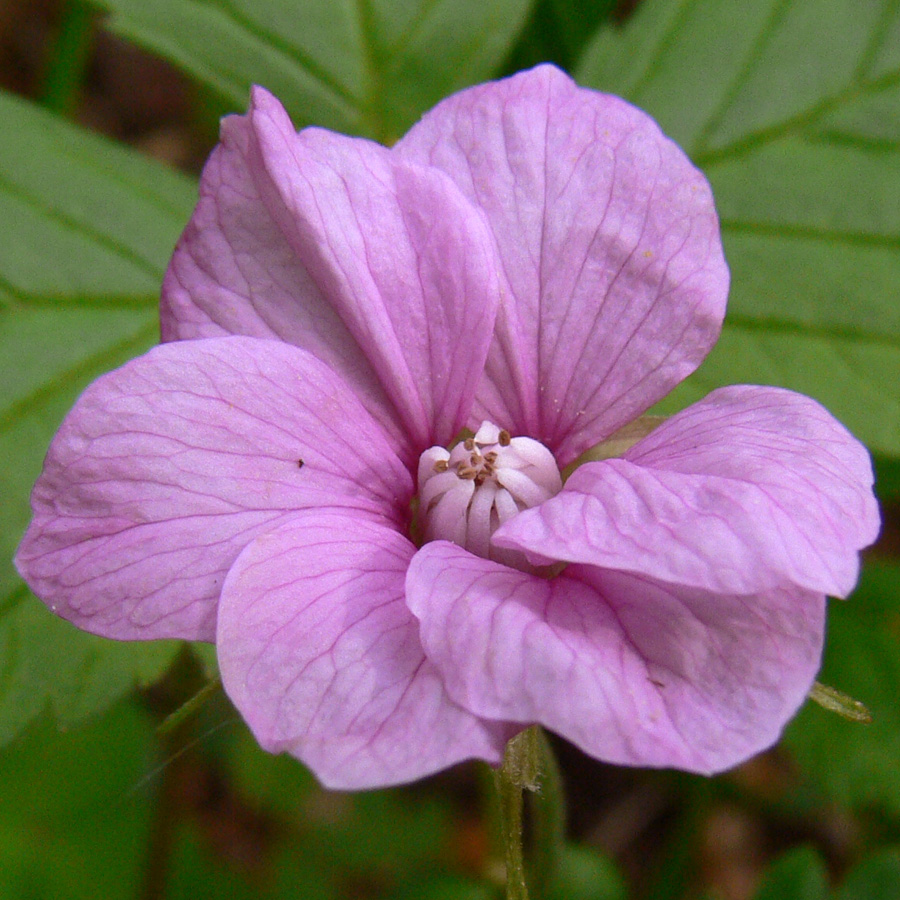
[750,489]
[322,657]
[168,467]
[631,670]
[614,278]
[386,255]
[234,272]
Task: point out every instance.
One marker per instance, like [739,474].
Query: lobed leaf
[791,109]
[368,67]
[92,229]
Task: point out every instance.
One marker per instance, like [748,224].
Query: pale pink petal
[614,279]
[750,489]
[357,247]
[234,272]
[631,670]
[321,656]
[168,467]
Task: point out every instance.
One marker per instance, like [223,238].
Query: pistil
[466,493]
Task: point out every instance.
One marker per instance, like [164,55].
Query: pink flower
[535,262]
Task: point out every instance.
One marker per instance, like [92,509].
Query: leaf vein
[755,139]
[877,37]
[80,228]
[837,333]
[778,12]
[794,230]
[666,39]
[65,378]
[291,51]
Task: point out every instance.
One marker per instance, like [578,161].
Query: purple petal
[750,489]
[631,670]
[322,657]
[614,279]
[168,467]
[234,272]
[332,243]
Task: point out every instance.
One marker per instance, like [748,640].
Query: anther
[468,492]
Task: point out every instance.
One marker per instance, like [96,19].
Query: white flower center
[467,493]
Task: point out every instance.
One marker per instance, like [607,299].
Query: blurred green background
[107,111]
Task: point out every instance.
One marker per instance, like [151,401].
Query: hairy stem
[547,819]
[529,765]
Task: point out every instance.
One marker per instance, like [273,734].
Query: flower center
[467,493]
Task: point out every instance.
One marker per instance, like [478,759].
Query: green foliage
[798,875]
[558,31]
[876,878]
[335,829]
[585,874]
[448,888]
[48,661]
[70,823]
[887,479]
[92,223]
[79,281]
[801,875]
[108,219]
[368,67]
[791,110]
[857,764]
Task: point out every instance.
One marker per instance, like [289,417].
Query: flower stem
[509,788]
[548,819]
[529,765]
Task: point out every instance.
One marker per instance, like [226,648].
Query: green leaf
[413,828]
[876,878]
[71,824]
[46,661]
[798,875]
[586,874]
[85,220]
[887,479]
[857,764]
[791,109]
[80,269]
[447,887]
[362,66]
[558,31]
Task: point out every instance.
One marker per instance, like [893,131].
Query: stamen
[467,493]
